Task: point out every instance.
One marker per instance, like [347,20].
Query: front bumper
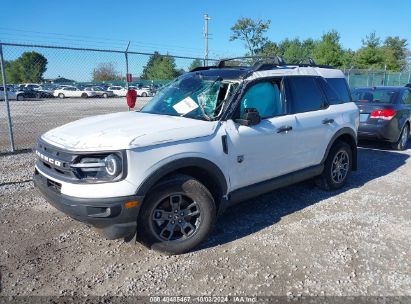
[109,215]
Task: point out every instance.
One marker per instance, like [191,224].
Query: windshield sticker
[185,106]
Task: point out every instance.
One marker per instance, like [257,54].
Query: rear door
[316,120]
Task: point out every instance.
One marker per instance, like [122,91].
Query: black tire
[61,95]
[336,170]
[105,95]
[84,95]
[184,191]
[144,94]
[20,97]
[402,141]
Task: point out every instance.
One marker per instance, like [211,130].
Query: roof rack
[275,60]
[264,63]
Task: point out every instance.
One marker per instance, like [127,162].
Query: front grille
[55,161]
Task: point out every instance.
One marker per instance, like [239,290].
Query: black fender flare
[175,165]
[343,131]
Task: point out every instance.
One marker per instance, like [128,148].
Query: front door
[265,150]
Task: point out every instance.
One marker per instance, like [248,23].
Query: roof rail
[264,63]
[275,60]
[311,63]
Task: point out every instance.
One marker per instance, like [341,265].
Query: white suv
[211,138]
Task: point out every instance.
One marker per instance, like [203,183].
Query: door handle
[284,129]
[328,121]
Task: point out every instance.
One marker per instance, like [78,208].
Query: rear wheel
[144,94]
[20,97]
[105,95]
[177,215]
[61,95]
[337,167]
[401,144]
[84,95]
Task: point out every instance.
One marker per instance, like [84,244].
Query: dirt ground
[295,241]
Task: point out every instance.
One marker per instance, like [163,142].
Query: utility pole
[206,18]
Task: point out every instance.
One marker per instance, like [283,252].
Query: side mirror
[250,117]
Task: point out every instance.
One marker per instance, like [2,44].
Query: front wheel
[337,167]
[144,94]
[84,95]
[61,96]
[20,97]
[105,95]
[177,215]
[401,144]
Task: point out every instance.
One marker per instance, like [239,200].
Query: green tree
[348,59]
[195,64]
[251,32]
[160,67]
[29,67]
[268,49]
[293,51]
[370,55]
[395,53]
[329,50]
[105,71]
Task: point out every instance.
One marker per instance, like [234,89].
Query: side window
[305,94]
[340,86]
[407,97]
[265,97]
[330,94]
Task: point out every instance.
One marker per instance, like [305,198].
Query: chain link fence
[369,78]
[33,108]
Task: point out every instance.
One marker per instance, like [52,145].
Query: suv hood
[126,130]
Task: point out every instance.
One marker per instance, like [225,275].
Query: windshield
[375,95]
[193,96]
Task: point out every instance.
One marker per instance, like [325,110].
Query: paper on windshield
[185,106]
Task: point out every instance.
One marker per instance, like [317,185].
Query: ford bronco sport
[213,137]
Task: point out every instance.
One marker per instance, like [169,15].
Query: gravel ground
[31,118]
[294,241]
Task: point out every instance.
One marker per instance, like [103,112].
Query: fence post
[6,99]
[126,54]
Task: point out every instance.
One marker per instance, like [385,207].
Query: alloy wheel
[340,166]
[404,137]
[175,218]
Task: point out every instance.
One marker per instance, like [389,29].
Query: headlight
[113,165]
[104,167]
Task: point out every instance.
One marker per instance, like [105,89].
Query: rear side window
[305,94]
[330,94]
[407,97]
[340,86]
